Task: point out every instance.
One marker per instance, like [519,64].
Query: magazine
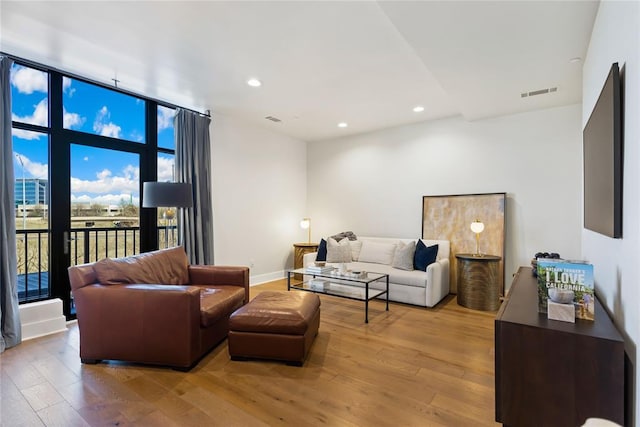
[567,282]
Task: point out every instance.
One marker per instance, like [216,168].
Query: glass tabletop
[360,277]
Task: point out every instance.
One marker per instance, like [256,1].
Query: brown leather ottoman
[275,325]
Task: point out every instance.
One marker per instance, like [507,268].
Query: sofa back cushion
[166,266]
[379,253]
[443,245]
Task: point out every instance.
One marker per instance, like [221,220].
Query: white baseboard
[267,277]
[42,318]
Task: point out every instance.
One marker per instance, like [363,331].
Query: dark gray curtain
[193,165]
[9,311]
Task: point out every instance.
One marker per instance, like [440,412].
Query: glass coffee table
[346,285]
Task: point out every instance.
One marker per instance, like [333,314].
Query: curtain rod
[35,64]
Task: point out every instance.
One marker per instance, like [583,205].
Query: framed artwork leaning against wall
[450,217]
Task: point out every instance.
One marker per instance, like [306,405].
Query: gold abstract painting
[450,217]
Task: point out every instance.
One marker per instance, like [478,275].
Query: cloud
[165,169]
[39,117]
[85,158]
[26,134]
[66,86]
[127,181]
[105,199]
[103,126]
[71,119]
[29,80]
[165,117]
[136,136]
[33,169]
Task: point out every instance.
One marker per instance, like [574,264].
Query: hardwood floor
[410,366]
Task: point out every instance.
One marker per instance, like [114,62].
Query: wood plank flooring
[410,366]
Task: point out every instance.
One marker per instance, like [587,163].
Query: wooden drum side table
[478,281]
[299,250]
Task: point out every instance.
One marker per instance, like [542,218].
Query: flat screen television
[602,151]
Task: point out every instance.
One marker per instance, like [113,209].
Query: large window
[94,109]
[81,154]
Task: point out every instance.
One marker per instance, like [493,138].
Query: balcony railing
[86,244]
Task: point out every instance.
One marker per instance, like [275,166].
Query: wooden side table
[478,281]
[299,250]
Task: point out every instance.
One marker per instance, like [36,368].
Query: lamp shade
[166,194]
[477,226]
[305,223]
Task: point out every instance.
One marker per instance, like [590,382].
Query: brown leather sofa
[154,307]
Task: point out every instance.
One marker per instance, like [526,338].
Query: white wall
[616,38]
[259,197]
[373,184]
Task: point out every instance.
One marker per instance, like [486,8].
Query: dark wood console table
[552,373]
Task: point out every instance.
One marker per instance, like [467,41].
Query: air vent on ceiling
[538,92]
[273,119]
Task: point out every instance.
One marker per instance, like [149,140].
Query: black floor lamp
[167,195]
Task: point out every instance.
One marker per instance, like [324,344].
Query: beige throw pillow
[403,257]
[338,252]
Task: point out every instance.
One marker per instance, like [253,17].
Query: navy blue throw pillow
[424,255]
[322,251]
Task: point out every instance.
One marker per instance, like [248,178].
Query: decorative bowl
[561,296]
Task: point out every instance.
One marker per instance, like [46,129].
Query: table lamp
[306,224]
[477,227]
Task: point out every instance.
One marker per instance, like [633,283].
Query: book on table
[318,284]
[566,282]
[318,270]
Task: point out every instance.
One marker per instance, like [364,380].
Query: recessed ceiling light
[418,109]
[254,82]
[575,60]
[342,125]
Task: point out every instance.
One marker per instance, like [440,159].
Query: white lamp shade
[477,226]
[305,223]
[166,194]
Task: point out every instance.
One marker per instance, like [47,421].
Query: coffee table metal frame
[343,286]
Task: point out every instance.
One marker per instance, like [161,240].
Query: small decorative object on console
[566,282]
[546,255]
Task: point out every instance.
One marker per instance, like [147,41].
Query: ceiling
[367,63]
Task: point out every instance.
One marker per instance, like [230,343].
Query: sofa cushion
[424,255]
[356,247]
[338,252]
[218,302]
[403,257]
[166,266]
[322,251]
[414,278]
[379,253]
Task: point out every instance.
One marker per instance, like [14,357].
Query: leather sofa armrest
[137,299]
[220,275]
[139,321]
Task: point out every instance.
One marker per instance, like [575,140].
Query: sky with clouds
[97,175]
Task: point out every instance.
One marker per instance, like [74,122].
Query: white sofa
[423,288]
